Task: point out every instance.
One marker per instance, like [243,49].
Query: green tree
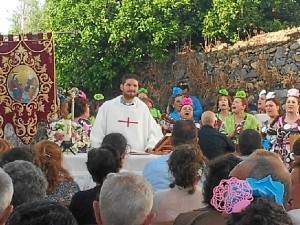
[32,13]
[234,19]
[113,36]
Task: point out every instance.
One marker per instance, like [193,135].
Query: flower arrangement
[76,141]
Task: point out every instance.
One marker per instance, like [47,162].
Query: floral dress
[282,143]
[269,133]
[64,192]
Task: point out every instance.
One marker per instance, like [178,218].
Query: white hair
[126,199]
[6,190]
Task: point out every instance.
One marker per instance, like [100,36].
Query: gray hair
[126,199]
[6,190]
[208,118]
[30,184]
[263,166]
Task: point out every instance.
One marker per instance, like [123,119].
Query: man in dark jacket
[212,142]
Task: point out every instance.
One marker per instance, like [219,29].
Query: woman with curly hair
[61,186]
[185,164]
[216,170]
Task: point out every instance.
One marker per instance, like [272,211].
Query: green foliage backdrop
[103,39]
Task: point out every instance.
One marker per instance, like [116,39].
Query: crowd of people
[227,165]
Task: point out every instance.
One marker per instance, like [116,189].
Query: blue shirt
[156,171]
[174,115]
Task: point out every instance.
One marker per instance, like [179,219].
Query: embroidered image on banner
[27,83]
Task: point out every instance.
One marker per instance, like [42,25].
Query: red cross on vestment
[127,121]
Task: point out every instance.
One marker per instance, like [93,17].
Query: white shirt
[133,121]
[168,204]
[295,216]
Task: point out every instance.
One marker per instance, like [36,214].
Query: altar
[76,165]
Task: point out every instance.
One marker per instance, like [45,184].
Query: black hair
[80,106]
[129,76]
[261,211]
[102,161]
[184,132]
[296,147]
[249,141]
[17,153]
[117,141]
[41,212]
[216,170]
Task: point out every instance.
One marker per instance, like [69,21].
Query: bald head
[258,167]
[208,118]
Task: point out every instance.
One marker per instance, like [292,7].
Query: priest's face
[130,88]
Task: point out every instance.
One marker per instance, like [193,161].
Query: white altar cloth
[76,165]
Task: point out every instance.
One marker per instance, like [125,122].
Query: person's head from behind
[4,146]
[129,86]
[102,161]
[261,211]
[29,182]
[208,118]
[17,153]
[6,194]
[259,167]
[41,212]
[81,108]
[185,164]
[184,132]
[216,170]
[249,141]
[264,152]
[295,178]
[125,199]
[296,147]
[118,142]
[49,157]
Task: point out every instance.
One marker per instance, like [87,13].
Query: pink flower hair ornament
[234,195]
[293,93]
[81,94]
[187,101]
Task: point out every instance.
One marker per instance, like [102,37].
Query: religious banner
[27,83]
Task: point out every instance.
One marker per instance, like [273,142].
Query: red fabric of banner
[27,84]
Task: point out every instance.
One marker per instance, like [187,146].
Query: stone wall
[268,61]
